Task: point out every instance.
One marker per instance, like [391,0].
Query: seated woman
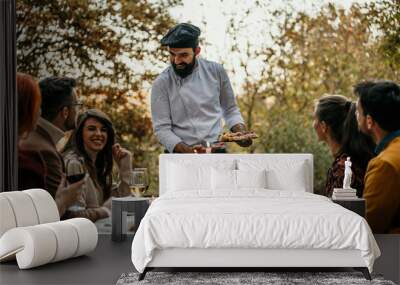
[335,123]
[31,172]
[92,144]
[31,167]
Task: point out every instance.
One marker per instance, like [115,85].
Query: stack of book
[344,194]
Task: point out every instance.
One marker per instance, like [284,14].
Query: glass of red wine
[75,171]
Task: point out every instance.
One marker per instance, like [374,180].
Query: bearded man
[59,109]
[190,98]
[378,115]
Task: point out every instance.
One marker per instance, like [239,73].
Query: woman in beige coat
[93,144]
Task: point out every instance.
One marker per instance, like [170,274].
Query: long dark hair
[101,170]
[340,115]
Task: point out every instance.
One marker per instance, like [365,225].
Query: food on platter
[210,148]
[237,136]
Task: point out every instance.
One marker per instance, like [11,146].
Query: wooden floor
[102,266]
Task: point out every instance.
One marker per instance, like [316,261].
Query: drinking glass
[138,182]
[75,171]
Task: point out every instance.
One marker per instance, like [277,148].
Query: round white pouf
[7,217]
[23,208]
[45,205]
[31,232]
[87,235]
[33,246]
[67,239]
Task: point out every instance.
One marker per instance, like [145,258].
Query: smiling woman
[92,144]
[95,136]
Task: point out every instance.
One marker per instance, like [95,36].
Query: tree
[111,47]
[309,56]
[287,60]
[102,42]
[385,16]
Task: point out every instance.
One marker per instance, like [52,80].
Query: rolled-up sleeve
[161,117]
[230,109]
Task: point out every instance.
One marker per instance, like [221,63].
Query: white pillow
[293,180]
[182,177]
[251,178]
[280,174]
[219,163]
[223,179]
[227,179]
[184,174]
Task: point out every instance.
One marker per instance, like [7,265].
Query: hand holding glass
[75,172]
[138,182]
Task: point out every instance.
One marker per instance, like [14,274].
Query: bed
[247,210]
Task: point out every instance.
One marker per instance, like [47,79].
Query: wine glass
[138,182]
[75,171]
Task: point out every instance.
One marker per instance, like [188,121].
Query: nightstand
[357,205]
[120,208]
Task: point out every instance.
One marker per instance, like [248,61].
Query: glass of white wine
[138,182]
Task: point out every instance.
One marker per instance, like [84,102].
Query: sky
[215,14]
[212,17]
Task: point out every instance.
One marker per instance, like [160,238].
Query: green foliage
[103,44]
[293,133]
[112,47]
[310,56]
[98,42]
[385,15]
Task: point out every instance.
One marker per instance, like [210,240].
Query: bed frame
[242,259]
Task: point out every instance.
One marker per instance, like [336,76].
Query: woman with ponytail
[335,123]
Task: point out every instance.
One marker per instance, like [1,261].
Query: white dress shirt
[191,109]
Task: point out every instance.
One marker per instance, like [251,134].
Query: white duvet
[252,218]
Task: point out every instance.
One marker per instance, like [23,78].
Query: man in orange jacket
[378,115]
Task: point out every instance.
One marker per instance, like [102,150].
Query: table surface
[131,198]
[348,199]
[102,266]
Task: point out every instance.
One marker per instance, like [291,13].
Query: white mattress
[253,218]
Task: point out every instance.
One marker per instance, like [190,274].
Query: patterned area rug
[242,278]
